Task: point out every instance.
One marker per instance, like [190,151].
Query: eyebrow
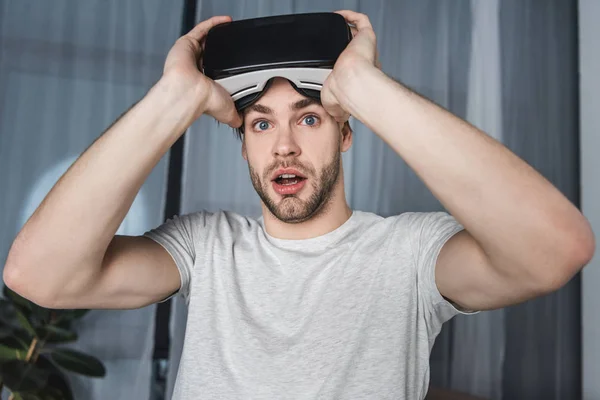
[260,109]
[304,103]
[300,104]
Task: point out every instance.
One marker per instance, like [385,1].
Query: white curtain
[427,45]
[476,368]
[69,68]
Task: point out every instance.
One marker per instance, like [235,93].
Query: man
[313,300]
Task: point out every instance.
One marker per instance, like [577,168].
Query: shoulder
[419,224]
[220,220]
[412,229]
[204,223]
[407,221]
[412,218]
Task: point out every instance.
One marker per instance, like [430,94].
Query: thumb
[339,114]
[333,107]
[221,107]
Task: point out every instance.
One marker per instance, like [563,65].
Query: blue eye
[310,120]
[261,126]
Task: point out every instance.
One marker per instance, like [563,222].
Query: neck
[333,215]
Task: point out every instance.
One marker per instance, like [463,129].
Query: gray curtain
[68,69]
[540,102]
[478,341]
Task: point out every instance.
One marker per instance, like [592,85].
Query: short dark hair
[239,132]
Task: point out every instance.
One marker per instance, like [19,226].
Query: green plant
[31,362]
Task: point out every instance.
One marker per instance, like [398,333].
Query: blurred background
[524,71]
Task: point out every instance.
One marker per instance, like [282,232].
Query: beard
[291,209]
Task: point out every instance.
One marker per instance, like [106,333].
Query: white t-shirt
[352,314]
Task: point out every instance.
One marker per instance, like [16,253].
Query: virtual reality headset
[244,56]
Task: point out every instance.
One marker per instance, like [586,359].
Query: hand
[182,71]
[361,53]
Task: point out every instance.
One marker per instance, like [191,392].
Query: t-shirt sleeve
[429,232]
[179,237]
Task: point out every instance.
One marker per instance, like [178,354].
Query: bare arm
[523,238]
[67,254]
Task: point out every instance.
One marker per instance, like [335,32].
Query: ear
[244,152]
[346,132]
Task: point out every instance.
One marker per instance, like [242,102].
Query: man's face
[293,151]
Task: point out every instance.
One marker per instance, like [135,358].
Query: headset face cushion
[247,101]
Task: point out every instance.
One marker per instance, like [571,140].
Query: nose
[286,144]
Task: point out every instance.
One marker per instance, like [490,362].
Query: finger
[342,117]
[377,62]
[337,112]
[186,50]
[222,107]
[200,30]
[228,115]
[354,31]
[361,21]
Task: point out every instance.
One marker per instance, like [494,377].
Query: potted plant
[32,363]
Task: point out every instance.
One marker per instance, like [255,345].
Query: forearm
[67,236]
[517,216]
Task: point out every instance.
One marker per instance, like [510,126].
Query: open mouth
[288,179]
[288,183]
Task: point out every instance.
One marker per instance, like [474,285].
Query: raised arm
[67,254]
[522,237]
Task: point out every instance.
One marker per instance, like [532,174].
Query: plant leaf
[29,308]
[18,340]
[25,323]
[78,362]
[71,315]
[26,396]
[41,314]
[79,313]
[8,315]
[21,376]
[17,299]
[8,353]
[5,331]
[55,334]
[58,386]
[50,393]
[46,393]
